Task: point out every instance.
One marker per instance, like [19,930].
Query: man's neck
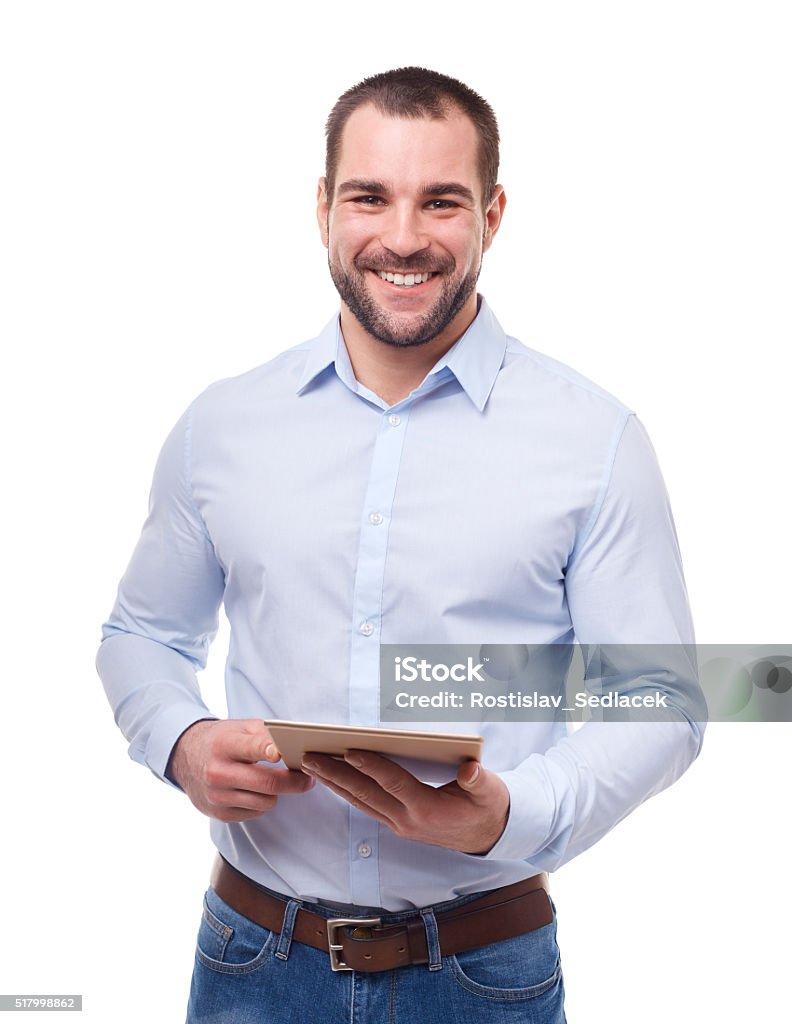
[393,371]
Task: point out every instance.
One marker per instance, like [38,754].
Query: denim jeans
[245,974]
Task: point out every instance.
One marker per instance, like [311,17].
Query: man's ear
[493,215]
[322,210]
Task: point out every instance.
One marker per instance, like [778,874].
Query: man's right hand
[216,764]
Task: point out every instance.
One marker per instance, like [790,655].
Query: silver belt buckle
[336,963]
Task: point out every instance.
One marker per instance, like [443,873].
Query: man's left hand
[468,814]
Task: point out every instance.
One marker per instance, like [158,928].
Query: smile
[404,280]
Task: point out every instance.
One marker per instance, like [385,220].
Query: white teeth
[404,280]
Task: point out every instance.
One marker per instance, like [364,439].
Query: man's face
[406,229]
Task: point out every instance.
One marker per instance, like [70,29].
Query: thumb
[473,779]
[259,746]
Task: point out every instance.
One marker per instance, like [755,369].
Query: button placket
[376,515]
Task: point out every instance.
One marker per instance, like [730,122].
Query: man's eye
[441,204]
[368,200]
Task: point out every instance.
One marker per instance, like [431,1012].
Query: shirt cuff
[533,813]
[170,724]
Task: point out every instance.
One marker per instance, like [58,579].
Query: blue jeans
[245,974]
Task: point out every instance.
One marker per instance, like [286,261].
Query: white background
[157,232]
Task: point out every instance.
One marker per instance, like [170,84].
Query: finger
[232,813]
[391,777]
[235,800]
[483,787]
[355,801]
[259,778]
[263,743]
[249,742]
[479,784]
[469,776]
[356,787]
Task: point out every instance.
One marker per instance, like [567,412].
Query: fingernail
[271,752]
[475,775]
[354,759]
[310,766]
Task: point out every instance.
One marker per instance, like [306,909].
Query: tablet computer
[430,756]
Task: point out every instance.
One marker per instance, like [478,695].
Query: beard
[391,328]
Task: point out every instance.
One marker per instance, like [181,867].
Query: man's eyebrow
[448,188]
[362,185]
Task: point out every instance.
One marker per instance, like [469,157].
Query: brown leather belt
[365,944]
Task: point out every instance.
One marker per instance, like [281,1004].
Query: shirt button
[364,850]
[366,628]
[394,419]
[375,518]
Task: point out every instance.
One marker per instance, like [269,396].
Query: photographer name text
[519,699]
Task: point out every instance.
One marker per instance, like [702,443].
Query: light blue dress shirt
[507,499]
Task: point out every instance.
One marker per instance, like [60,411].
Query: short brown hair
[413,93]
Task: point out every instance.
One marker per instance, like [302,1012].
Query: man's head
[413,93]
[409,204]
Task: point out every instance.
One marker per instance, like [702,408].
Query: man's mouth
[404,280]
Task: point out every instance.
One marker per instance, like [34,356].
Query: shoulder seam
[558,369]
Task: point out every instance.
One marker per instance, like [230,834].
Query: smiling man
[412,475]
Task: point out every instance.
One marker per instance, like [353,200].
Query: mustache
[422,262]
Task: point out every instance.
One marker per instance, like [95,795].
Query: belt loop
[432,940]
[285,939]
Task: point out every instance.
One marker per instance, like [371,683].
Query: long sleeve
[164,617]
[624,586]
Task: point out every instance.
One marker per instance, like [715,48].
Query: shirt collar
[474,360]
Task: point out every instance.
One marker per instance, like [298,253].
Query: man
[412,475]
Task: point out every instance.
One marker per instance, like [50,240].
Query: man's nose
[402,231]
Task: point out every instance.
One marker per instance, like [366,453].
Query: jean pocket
[524,967]
[230,943]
